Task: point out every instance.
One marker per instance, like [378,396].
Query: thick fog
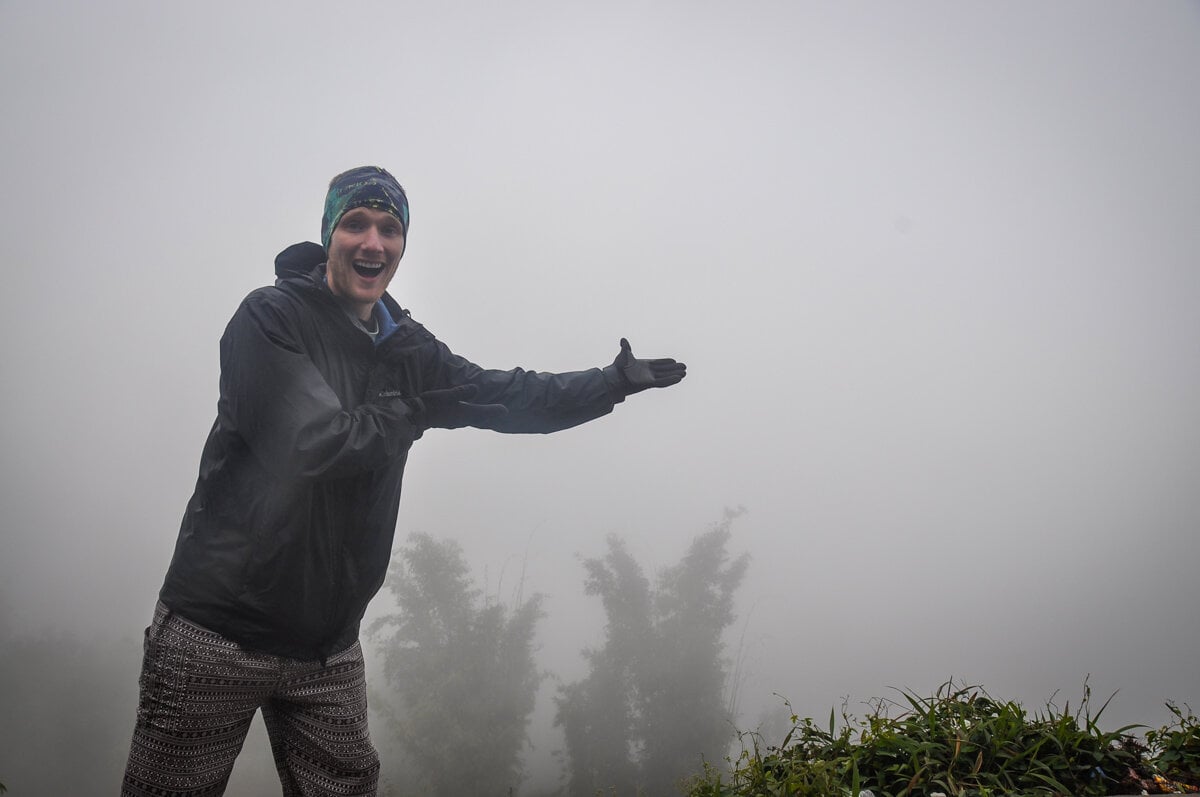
[934,268]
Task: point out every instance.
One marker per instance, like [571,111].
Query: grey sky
[934,267]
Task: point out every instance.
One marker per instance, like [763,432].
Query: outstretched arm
[548,402]
[416,362]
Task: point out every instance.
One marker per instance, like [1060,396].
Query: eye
[352,223]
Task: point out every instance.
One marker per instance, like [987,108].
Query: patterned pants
[199,692]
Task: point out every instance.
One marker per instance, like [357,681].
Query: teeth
[368,266]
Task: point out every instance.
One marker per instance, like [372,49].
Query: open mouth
[365,269]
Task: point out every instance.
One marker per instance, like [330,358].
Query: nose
[371,240]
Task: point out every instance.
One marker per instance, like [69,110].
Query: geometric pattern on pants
[198,695]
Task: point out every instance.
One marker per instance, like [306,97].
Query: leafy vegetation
[460,674]
[962,743]
[1174,749]
[654,703]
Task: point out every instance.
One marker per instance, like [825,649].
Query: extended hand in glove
[637,375]
[450,408]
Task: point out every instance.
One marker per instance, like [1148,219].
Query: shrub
[1174,749]
[961,743]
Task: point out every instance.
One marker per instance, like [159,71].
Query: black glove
[450,408]
[637,375]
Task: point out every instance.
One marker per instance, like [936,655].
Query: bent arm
[277,400]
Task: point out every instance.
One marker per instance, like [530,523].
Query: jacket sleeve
[292,421]
[537,402]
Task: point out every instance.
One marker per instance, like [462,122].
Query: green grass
[962,743]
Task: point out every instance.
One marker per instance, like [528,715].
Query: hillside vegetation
[962,743]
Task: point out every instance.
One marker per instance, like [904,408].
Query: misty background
[934,268]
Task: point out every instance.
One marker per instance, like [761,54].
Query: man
[325,384]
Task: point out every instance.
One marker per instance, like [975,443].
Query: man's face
[364,252]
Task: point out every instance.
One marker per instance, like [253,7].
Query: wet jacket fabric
[289,532]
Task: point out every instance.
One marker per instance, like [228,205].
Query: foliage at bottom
[962,743]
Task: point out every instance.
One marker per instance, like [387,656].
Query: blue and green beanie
[364,187]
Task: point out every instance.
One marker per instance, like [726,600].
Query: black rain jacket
[288,534]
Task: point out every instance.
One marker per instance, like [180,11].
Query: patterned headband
[364,187]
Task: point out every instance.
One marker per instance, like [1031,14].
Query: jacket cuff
[617,387]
